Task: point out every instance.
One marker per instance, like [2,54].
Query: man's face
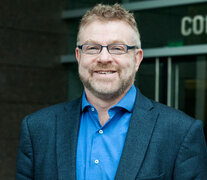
[108,75]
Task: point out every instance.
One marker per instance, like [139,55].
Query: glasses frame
[107,47]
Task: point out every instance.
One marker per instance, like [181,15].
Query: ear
[77,54]
[138,58]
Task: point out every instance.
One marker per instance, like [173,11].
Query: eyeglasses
[112,48]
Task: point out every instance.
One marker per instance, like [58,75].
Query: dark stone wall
[32,38]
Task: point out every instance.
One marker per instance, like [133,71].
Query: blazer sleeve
[191,162]
[24,166]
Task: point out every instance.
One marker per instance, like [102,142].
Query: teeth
[105,72]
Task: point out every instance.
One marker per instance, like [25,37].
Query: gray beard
[124,85]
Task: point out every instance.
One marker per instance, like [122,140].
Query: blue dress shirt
[99,147]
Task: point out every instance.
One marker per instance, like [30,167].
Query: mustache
[104,67]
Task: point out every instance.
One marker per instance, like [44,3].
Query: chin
[107,93]
[106,87]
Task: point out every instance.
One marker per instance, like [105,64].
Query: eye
[91,47]
[117,47]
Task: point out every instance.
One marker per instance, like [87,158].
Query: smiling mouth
[105,72]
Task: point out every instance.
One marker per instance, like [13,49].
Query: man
[112,131]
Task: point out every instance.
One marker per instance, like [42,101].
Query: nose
[104,56]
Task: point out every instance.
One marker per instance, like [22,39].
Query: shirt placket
[95,163]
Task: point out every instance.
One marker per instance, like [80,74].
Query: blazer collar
[138,138]
[67,137]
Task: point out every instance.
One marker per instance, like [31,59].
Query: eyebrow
[90,42]
[112,42]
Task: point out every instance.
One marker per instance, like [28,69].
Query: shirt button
[96,161]
[100,131]
[92,109]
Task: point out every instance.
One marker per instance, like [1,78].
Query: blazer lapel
[67,135]
[138,137]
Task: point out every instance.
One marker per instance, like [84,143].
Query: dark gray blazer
[161,143]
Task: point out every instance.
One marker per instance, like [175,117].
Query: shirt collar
[85,102]
[127,102]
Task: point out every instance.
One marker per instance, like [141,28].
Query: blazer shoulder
[48,114]
[166,115]
[173,118]
[171,112]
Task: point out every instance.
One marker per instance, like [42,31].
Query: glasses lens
[117,48]
[91,48]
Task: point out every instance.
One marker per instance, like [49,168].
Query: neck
[102,105]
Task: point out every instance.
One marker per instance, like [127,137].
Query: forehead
[105,32]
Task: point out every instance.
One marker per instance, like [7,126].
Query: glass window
[190,85]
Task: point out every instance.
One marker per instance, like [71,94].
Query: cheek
[128,62]
[128,67]
[83,64]
[84,68]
